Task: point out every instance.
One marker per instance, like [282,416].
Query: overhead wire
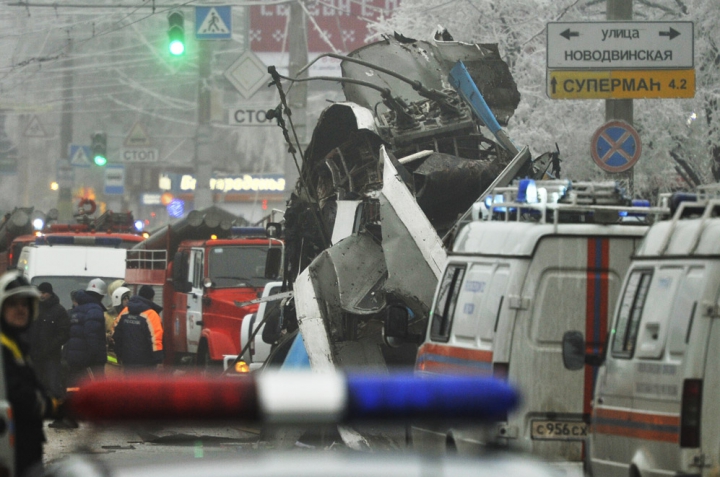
[102,33]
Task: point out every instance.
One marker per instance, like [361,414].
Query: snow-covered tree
[688,129]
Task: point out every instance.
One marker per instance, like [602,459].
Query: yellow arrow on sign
[620,84]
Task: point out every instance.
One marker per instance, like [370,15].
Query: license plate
[559,430]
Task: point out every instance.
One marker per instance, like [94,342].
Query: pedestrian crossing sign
[213,23]
[79,155]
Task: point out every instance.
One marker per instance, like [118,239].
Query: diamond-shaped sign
[248,74]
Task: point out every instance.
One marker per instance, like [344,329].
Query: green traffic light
[100,160]
[177,47]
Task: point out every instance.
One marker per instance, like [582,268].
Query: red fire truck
[205,269]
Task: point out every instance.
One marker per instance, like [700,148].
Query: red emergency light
[294,397]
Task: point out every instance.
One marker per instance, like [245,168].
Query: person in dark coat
[48,333]
[86,352]
[138,334]
[30,404]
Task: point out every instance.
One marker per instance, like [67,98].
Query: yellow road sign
[620,84]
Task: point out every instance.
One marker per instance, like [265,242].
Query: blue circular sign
[615,146]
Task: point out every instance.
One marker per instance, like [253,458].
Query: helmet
[98,286]
[115,285]
[117,295]
[15,283]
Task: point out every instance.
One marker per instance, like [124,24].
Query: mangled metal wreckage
[387,175]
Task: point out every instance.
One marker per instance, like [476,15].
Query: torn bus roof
[430,62]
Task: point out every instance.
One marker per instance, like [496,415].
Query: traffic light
[176,33]
[98,148]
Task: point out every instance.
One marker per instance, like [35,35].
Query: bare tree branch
[683,6]
[558,18]
[665,9]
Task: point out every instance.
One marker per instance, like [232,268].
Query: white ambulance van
[69,266]
[655,407]
[549,258]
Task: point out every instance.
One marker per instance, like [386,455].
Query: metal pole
[621,109]
[203,160]
[65,205]
[297,98]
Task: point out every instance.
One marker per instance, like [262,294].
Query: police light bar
[78,240]
[294,397]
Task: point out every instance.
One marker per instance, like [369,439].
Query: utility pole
[621,109]
[65,205]
[297,99]
[203,159]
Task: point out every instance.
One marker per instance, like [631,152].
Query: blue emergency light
[527,191]
[91,240]
[295,397]
[636,203]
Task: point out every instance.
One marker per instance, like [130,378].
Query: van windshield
[238,266]
[62,286]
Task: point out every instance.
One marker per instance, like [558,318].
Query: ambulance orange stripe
[637,433]
[648,418]
[446,368]
[455,352]
[640,425]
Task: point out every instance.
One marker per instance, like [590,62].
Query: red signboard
[344,24]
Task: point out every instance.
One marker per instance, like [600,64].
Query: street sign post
[615,45]
[615,146]
[620,84]
[248,74]
[79,155]
[249,115]
[114,179]
[213,23]
[137,137]
[620,60]
[34,128]
[139,154]
[64,173]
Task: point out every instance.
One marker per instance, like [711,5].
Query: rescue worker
[111,316]
[48,333]
[138,332]
[86,350]
[120,299]
[30,404]
[73,300]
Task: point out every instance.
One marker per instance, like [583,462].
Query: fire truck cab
[209,278]
[204,285]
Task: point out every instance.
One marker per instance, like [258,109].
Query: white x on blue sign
[213,23]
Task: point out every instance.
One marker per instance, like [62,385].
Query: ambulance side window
[631,308]
[445,303]
[197,278]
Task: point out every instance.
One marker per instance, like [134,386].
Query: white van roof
[519,239]
[689,237]
[78,261]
